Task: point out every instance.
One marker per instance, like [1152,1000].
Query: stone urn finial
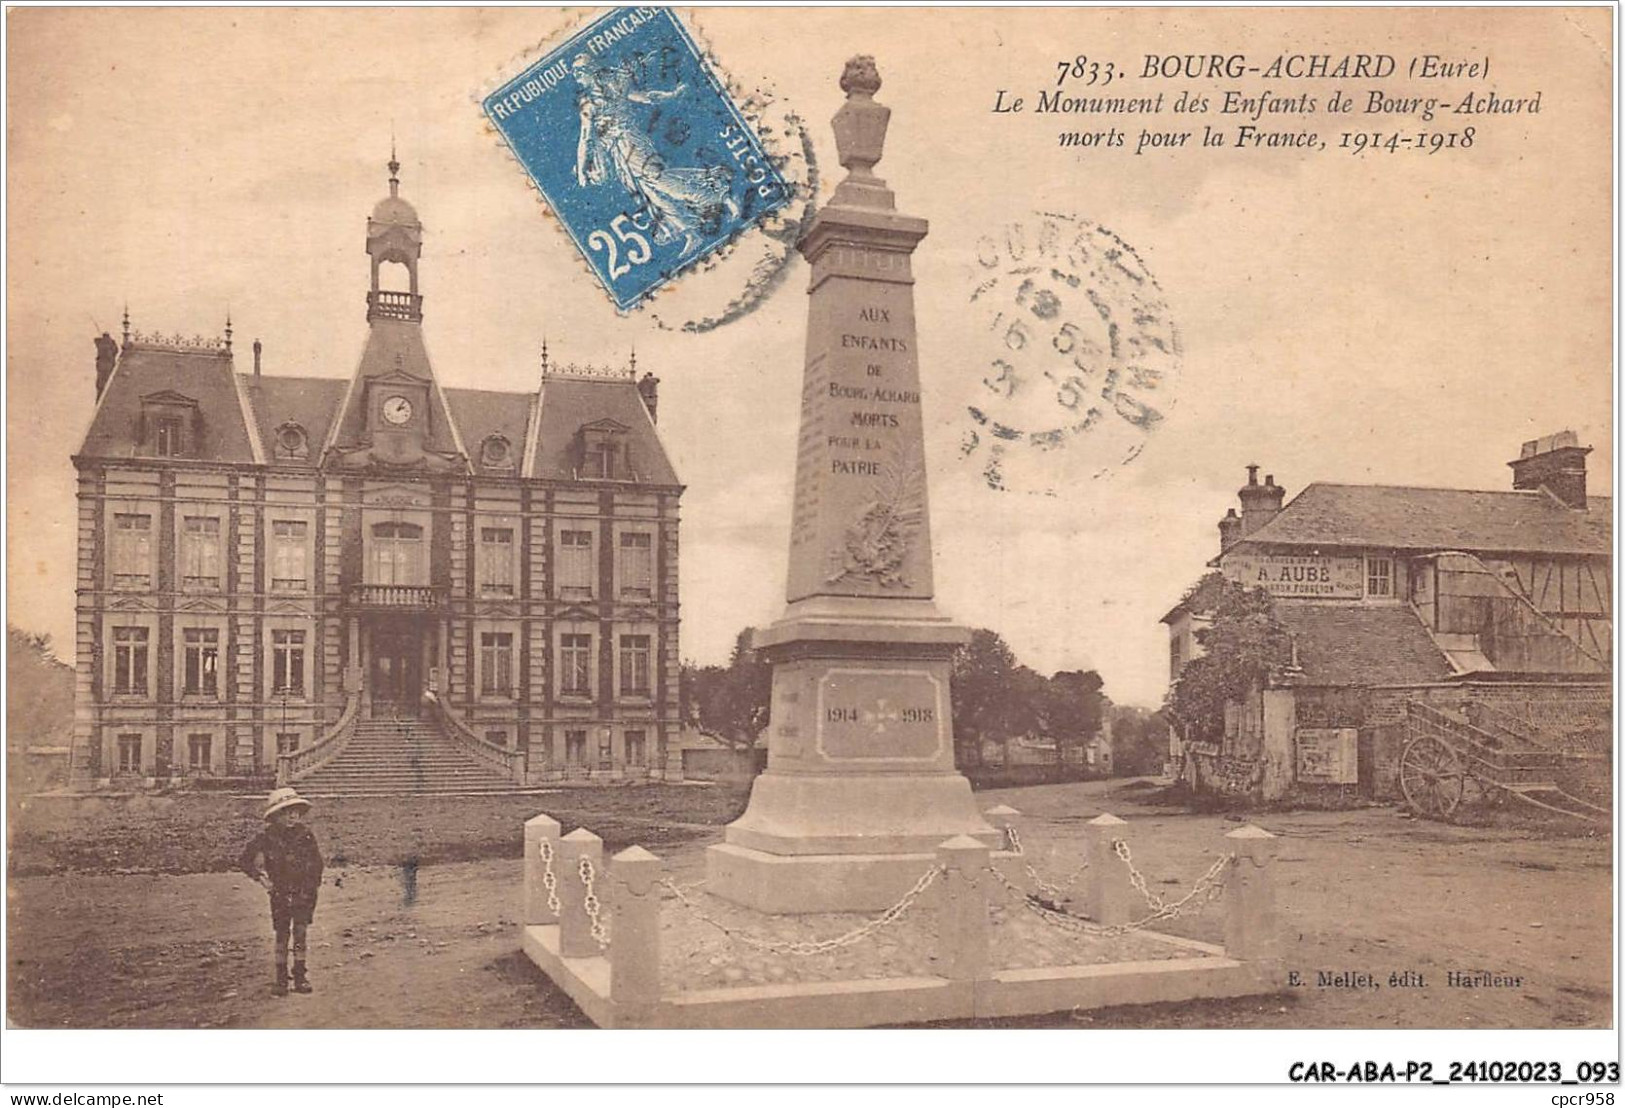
[860,77]
[860,125]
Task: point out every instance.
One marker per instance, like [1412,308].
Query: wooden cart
[1450,760]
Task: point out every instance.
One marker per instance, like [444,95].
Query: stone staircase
[394,757]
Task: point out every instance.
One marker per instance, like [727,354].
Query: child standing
[286,860]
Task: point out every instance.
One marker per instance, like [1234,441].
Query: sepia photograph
[549,519]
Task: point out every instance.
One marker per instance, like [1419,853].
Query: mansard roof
[482,413]
[569,403]
[165,371]
[240,414]
[309,402]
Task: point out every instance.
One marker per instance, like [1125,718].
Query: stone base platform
[791,884]
[848,843]
[894,1000]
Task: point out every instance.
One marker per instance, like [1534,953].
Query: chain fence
[1207,887]
[1053,894]
[550,880]
[598,928]
[809,948]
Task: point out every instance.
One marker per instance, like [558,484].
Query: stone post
[962,909]
[634,956]
[1109,897]
[538,830]
[575,928]
[1251,929]
[1003,817]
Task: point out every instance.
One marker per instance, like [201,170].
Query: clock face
[397,409]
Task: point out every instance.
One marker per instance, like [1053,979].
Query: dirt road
[1365,898]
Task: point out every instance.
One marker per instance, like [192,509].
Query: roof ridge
[1419,488]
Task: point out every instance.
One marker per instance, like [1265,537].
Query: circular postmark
[1077,358]
[741,274]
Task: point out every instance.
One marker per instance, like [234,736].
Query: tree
[993,697]
[729,703]
[1243,648]
[39,691]
[1139,740]
[1072,706]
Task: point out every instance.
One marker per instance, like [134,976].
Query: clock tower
[394,417]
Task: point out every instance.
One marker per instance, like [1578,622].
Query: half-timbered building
[1477,603]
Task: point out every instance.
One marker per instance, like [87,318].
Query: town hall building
[379,584]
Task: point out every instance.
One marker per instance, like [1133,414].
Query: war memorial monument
[860,813]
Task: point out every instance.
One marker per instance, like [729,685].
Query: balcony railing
[396,598]
[386,304]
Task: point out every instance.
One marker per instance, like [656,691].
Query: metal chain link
[823,946]
[1135,877]
[1208,883]
[600,933]
[550,880]
[1052,893]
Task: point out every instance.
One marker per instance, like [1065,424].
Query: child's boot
[301,984]
[281,986]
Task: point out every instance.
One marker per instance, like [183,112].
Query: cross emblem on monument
[880,716]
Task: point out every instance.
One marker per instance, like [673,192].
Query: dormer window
[603,456]
[169,425]
[292,444]
[496,453]
[167,438]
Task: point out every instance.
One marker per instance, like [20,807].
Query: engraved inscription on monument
[860,511]
[895,715]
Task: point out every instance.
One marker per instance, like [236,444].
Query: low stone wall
[595,928]
[1583,709]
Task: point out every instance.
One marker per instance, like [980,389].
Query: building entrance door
[396,677]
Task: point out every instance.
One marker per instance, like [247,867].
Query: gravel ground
[403,943]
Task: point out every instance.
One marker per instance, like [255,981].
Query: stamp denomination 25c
[638,148]
[1081,358]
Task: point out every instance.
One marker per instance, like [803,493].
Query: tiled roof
[308,401]
[481,413]
[1358,644]
[395,347]
[1404,518]
[570,402]
[201,375]
[227,401]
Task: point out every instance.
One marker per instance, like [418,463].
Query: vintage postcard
[817,518]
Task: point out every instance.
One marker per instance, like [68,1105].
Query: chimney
[257,349]
[1556,463]
[106,357]
[649,389]
[1259,503]
[1229,530]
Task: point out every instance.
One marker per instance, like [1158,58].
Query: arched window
[397,554]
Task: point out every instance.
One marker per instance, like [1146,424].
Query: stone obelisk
[860,786]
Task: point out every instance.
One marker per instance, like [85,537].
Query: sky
[1398,318]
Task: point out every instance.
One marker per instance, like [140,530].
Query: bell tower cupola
[394,235]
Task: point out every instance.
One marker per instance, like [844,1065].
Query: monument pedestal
[860,787]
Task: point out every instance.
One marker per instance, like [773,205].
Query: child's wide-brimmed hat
[286,797]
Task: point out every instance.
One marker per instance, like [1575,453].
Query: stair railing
[1552,626]
[510,763]
[298,764]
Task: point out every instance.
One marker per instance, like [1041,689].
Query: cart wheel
[1432,777]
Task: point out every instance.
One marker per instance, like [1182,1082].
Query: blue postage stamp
[638,148]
